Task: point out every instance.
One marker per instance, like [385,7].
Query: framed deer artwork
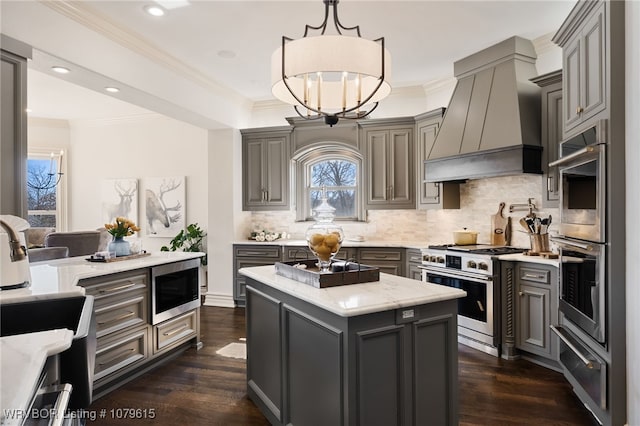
[165,205]
[119,199]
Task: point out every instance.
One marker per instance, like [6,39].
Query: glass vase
[324,237]
[120,247]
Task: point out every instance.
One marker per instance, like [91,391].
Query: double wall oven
[473,269]
[582,245]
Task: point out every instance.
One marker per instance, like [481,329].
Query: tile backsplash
[479,199]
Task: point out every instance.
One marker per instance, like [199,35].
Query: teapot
[14,263]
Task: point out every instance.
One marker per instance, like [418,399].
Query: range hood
[492,125]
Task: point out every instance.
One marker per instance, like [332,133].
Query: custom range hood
[492,125]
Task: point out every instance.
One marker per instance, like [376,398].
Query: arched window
[336,169]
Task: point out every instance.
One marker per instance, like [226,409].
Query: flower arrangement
[265,235]
[122,227]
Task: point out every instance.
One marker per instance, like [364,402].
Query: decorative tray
[117,259]
[343,273]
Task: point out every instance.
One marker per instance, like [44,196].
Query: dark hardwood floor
[202,388]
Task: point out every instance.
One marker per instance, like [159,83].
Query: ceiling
[226,45]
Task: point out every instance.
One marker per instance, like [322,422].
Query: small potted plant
[190,239]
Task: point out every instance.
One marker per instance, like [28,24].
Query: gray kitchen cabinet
[536,309]
[127,344]
[414,261]
[265,169]
[390,260]
[432,195]
[13,142]
[584,54]
[551,94]
[389,164]
[247,255]
[309,366]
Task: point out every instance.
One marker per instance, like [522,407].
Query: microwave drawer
[175,330]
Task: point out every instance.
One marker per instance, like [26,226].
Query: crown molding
[544,44]
[439,84]
[97,22]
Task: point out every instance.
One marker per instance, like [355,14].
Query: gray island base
[381,353]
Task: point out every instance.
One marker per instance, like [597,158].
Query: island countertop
[59,278]
[391,292]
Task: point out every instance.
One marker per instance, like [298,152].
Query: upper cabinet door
[585,79]
[265,173]
[390,175]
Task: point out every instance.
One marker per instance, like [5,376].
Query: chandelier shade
[331,76]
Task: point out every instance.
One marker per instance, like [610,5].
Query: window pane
[333,173]
[41,173]
[342,200]
[46,220]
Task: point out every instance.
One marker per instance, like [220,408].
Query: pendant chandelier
[331,76]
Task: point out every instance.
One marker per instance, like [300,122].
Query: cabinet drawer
[120,351]
[118,285]
[414,256]
[535,275]
[174,331]
[380,254]
[272,252]
[117,313]
[297,253]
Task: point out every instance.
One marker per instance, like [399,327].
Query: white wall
[632,137]
[149,145]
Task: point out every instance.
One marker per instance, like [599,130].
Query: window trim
[323,152]
[61,189]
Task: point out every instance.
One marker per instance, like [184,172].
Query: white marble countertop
[23,358]
[59,278]
[391,292]
[346,243]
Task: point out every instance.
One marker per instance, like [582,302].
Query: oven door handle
[569,158]
[566,242]
[455,274]
[587,362]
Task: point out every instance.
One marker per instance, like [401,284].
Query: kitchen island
[127,342]
[378,353]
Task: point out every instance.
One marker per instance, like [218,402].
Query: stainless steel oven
[474,270]
[175,289]
[583,285]
[582,168]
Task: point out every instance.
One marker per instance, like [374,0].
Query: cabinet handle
[550,187]
[391,193]
[540,277]
[174,331]
[122,287]
[579,110]
[118,318]
[380,256]
[119,355]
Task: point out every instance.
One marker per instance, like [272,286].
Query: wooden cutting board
[499,227]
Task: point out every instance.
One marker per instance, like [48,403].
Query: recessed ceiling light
[112,89]
[60,70]
[154,10]
[226,54]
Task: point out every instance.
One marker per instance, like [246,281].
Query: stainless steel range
[476,270]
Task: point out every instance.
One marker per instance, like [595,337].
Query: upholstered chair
[80,243]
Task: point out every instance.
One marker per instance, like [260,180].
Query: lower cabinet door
[533,330]
[118,352]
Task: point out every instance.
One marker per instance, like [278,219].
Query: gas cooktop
[479,249]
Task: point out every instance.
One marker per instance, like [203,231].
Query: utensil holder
[539,243]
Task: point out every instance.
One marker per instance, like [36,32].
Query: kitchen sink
[73,313]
